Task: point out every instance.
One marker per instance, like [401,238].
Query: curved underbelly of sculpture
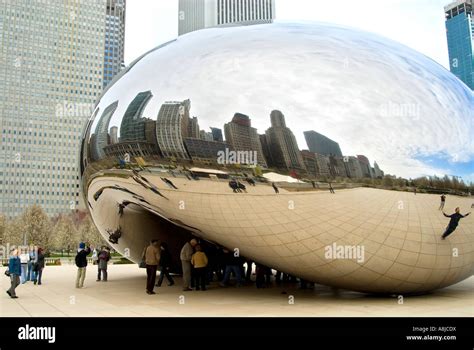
[360,239]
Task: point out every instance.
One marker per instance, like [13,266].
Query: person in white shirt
[24,259]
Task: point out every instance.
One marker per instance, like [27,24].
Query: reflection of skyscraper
[114,39]
[365,165]
[321,144]
[203,135]
[113,135]
[323,164]
[310,162]
[200,14]
[353,167]
[193,128]
[171,128]
[460,34]
[102,132]
[133,125]
[240,135]
[282,143]
[377,172]
[217,134]
[204,151]
[337,167]
[267,154]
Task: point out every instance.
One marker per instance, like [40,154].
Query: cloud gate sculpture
[150,169]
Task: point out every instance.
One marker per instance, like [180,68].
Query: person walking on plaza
[14,267]
[24,259]
[152,259]
[165,265]
[185,256]
[39,266]
[453,223]
[81,263]
[104,257]
[443,202]
[199,262]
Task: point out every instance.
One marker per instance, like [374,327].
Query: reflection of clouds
[372,95]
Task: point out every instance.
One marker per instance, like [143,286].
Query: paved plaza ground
[124,295]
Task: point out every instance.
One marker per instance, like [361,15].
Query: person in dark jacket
[14,267]
[39,267]
[453,223]
[104,257]
[165,265]
[81,263]
[233,265]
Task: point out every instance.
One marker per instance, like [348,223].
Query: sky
[418,24]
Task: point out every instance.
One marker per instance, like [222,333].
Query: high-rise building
[172,127]
[240,135]
[321,144]
[200,14]
[114,39]
[460,34]
[133,123]
[282,144]
[51,73]
[217,134]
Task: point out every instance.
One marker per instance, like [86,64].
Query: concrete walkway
[124,295]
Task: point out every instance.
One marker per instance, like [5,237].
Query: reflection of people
[443,202]
[169,183]
[235,186]
[331,190]
[165,265]
[241,186]
[275,188]
[453,223]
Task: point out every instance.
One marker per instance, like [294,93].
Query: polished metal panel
[361,89]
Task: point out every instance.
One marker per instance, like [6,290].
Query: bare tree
[32,227]
[65,234]
[89,233]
